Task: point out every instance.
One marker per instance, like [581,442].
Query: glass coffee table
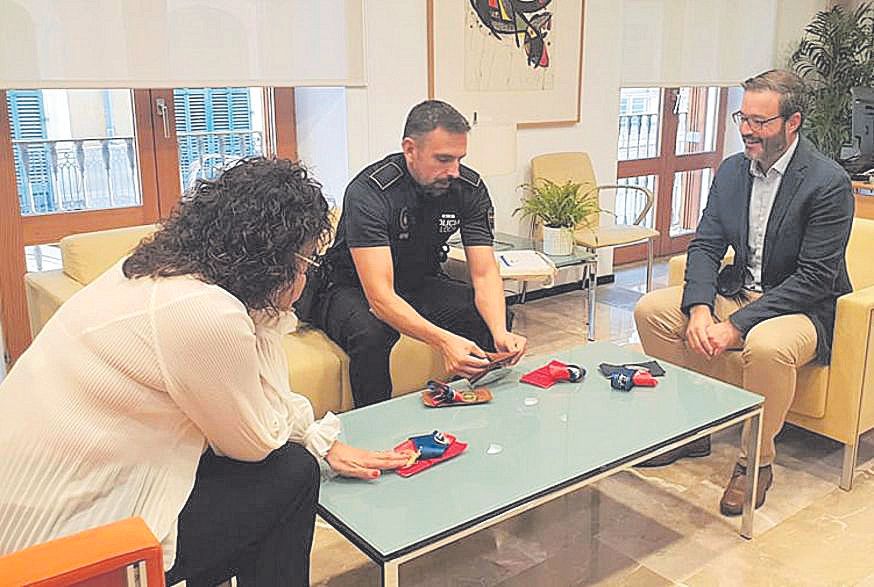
[522,453]
[580,257]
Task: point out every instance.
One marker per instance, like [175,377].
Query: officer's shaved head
[431,114]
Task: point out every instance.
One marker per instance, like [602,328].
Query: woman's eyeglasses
[311,261]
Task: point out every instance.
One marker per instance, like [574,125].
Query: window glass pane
[42,258]
[630,203]
[74,150]
[688,200]
[216,127]
[639,124]
[696,120]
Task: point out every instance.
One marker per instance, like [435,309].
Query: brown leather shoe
[696,448]
[732,501]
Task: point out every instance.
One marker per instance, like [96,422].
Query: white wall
[396,66]
[321,137]
[792,17]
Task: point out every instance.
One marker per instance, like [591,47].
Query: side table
[580,257]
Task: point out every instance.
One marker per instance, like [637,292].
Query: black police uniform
[384,206]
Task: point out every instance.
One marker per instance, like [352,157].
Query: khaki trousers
[772,352]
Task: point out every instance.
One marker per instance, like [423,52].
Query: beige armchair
[577,167]
[837,400]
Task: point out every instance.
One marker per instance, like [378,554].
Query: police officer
[383,270]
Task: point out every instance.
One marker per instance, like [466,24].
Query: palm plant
[835,54]
[559,205]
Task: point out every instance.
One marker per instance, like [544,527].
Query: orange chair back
[93,558]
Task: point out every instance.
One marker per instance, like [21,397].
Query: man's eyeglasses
[756,124]
[311,261]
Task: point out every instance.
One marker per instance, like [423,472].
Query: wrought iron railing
[96,173]
[76,174]
[202,155]
[630,203]
[638,136]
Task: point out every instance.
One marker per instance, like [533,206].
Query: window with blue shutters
[213,127]
[32,155]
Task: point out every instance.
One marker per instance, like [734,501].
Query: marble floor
[653,526]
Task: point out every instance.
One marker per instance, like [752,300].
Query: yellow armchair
[577,167]
[837,400]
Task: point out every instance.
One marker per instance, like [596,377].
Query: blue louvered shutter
[32,161]
[216,111]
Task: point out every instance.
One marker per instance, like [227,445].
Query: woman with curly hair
[161,390]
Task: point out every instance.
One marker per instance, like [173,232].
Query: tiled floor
[653,526]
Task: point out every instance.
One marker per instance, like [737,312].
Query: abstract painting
[507,58]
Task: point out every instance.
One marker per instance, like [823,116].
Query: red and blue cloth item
[440,395]
[625,377]
[553,372]
[432,449]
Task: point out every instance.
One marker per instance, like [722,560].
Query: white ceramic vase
[558,241]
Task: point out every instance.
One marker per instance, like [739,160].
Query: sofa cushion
[46,291]
[316,368]
[811,391]
[87,255]
[859,266]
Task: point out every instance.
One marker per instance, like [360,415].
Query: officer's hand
[511,343]
[697,340]
[461,356]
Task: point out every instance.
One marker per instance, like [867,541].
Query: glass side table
[580,257]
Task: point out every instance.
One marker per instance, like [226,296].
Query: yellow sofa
[318,368]
[836,401]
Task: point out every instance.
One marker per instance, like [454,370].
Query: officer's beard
[437,188]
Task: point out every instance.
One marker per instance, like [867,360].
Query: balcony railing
[630,203]
[76,174]
[638,136]
[98,173]
[202,155]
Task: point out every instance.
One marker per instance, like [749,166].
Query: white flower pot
[558,241]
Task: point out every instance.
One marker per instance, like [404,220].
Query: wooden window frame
[663,168]
[158,157]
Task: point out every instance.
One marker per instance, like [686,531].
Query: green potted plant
[559,208]
[835,55]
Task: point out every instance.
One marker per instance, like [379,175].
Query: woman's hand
[349,461]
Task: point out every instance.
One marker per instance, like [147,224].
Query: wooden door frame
[663,168]
[13,299]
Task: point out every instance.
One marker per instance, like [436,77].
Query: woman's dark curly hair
[240,231]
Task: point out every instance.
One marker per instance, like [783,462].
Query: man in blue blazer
[786,210]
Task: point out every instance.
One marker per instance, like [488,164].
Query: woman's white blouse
[107,413]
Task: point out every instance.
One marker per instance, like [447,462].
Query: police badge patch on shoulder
[386,175]
[469,175]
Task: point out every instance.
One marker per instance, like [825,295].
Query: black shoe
[696,448]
